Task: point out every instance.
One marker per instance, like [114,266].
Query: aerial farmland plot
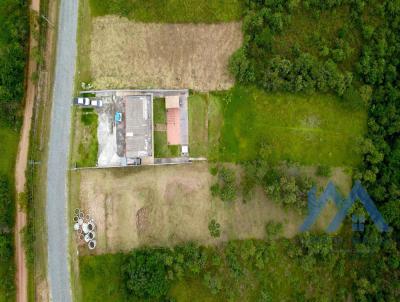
[249,105]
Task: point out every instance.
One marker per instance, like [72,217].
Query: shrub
[214,170]
[215,190]
[324,171]
[213,283]
[226,186]
[214,228]
[273,229]
[145,274]
[240,67]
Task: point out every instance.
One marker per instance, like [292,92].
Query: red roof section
[173,127]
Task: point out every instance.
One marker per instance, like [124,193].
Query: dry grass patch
[169,205]
[126,54]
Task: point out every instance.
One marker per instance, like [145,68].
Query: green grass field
[161,148]
[172,11]
[307,129]
[159,111]
[8,150]
[198,131]
[100,278]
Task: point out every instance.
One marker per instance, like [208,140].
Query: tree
[145,274]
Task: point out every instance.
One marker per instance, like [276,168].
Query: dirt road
[20,168]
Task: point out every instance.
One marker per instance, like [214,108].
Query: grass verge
[35,236]
[85,145]
[83,73]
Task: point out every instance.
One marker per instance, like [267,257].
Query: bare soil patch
[169,205]
[126,54]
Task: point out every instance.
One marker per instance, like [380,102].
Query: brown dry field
[126,54]
[167,205]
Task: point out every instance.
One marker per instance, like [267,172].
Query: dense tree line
[234,269]
[257,62]
[6,237]
[13,53]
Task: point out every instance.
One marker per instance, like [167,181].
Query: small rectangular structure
[172,101]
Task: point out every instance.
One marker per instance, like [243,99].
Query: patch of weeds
[215,228]
[324,171]
[225,188]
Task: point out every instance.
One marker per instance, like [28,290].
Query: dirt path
[20,180]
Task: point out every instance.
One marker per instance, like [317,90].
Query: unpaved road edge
[21,278]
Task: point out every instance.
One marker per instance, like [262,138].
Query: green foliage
[226,187]
[319,246]
[101,277]
[145,274]
[89,117]
[7,289]
[239,66]
[8,149]
[213,283]
[296,48]
[214,228]
[246,270]
[273,230]
[287,190]
[324,171]
[13,55]
[177,11]
[214,170]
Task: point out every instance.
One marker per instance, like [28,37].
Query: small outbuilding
[172,101]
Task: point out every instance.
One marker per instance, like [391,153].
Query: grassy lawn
[161,148]
[83,73]
[85,144]
[8,150]
[173,11]
[100,278]
[192,290]
[312,129]
[159,111]
[198,125]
